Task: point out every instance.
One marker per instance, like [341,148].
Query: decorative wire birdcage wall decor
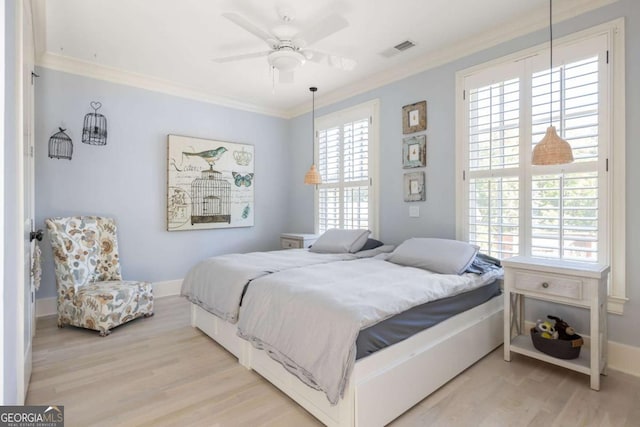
[210,196]
[94,130]
[60,146]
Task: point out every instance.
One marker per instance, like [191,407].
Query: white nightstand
[577,284]
[297,240]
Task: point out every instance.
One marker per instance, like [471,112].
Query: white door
[27,62]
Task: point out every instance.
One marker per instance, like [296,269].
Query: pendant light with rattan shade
[552,150]
[313,176]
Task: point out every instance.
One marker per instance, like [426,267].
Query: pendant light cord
[313,127]
[551,62]
[313,124]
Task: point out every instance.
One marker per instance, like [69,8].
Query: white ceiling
[175,41]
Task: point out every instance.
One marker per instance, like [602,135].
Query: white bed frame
[387,383]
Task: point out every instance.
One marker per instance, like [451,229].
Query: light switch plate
[414,211]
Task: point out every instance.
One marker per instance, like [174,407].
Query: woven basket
[562,349]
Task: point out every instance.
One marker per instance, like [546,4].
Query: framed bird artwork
[210,184]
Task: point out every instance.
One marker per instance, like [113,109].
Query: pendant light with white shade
[551,150]
[313,176]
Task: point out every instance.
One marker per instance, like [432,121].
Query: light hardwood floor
[160,372]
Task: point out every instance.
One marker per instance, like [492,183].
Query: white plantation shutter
[494,126]
[564,206]
[574,106]
[345,151]
[329,165]
[564,216]
[494,215]
[494,155]
[514,208]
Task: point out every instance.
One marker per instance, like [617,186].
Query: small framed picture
[414,188]
[414,117]
[414,152]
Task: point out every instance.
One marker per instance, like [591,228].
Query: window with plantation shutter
[509,207]
[564,205]
[346,146]
[494,186]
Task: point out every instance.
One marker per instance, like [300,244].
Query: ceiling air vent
[404,45]
[400,47]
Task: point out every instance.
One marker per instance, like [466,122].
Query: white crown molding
[115,75]
[564,10]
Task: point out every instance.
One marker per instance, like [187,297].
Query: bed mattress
[403,325]
[308,319]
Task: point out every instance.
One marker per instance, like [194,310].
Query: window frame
[339,118]
[615,111]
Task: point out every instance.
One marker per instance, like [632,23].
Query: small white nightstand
[297,240]
[577,284]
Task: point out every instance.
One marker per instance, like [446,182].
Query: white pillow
[339,241]
[442,256]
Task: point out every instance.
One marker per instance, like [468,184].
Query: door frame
[21,392]
[23,148]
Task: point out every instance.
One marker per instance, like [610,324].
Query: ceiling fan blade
[334,61]
[285,76]
[240,57]
[341,62]
[315,56]
[247,25]
[324,28]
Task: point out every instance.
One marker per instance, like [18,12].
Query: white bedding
[217,284]
[308,319]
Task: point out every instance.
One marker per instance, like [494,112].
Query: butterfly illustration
[241,180]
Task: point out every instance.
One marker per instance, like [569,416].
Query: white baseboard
[622,357]
[48,306]
[168,288]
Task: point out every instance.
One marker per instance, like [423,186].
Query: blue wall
[437,213]
[126,179]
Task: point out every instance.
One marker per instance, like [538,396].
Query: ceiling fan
[289,47]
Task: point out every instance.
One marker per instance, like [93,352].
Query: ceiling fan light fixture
[288,44]
[286,60]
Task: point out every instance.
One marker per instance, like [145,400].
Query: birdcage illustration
[210,196]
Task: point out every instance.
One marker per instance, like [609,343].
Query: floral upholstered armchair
[91,292]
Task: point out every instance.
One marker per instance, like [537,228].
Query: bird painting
[209,156]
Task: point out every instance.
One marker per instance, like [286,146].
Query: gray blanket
[308,318]
[218,283]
